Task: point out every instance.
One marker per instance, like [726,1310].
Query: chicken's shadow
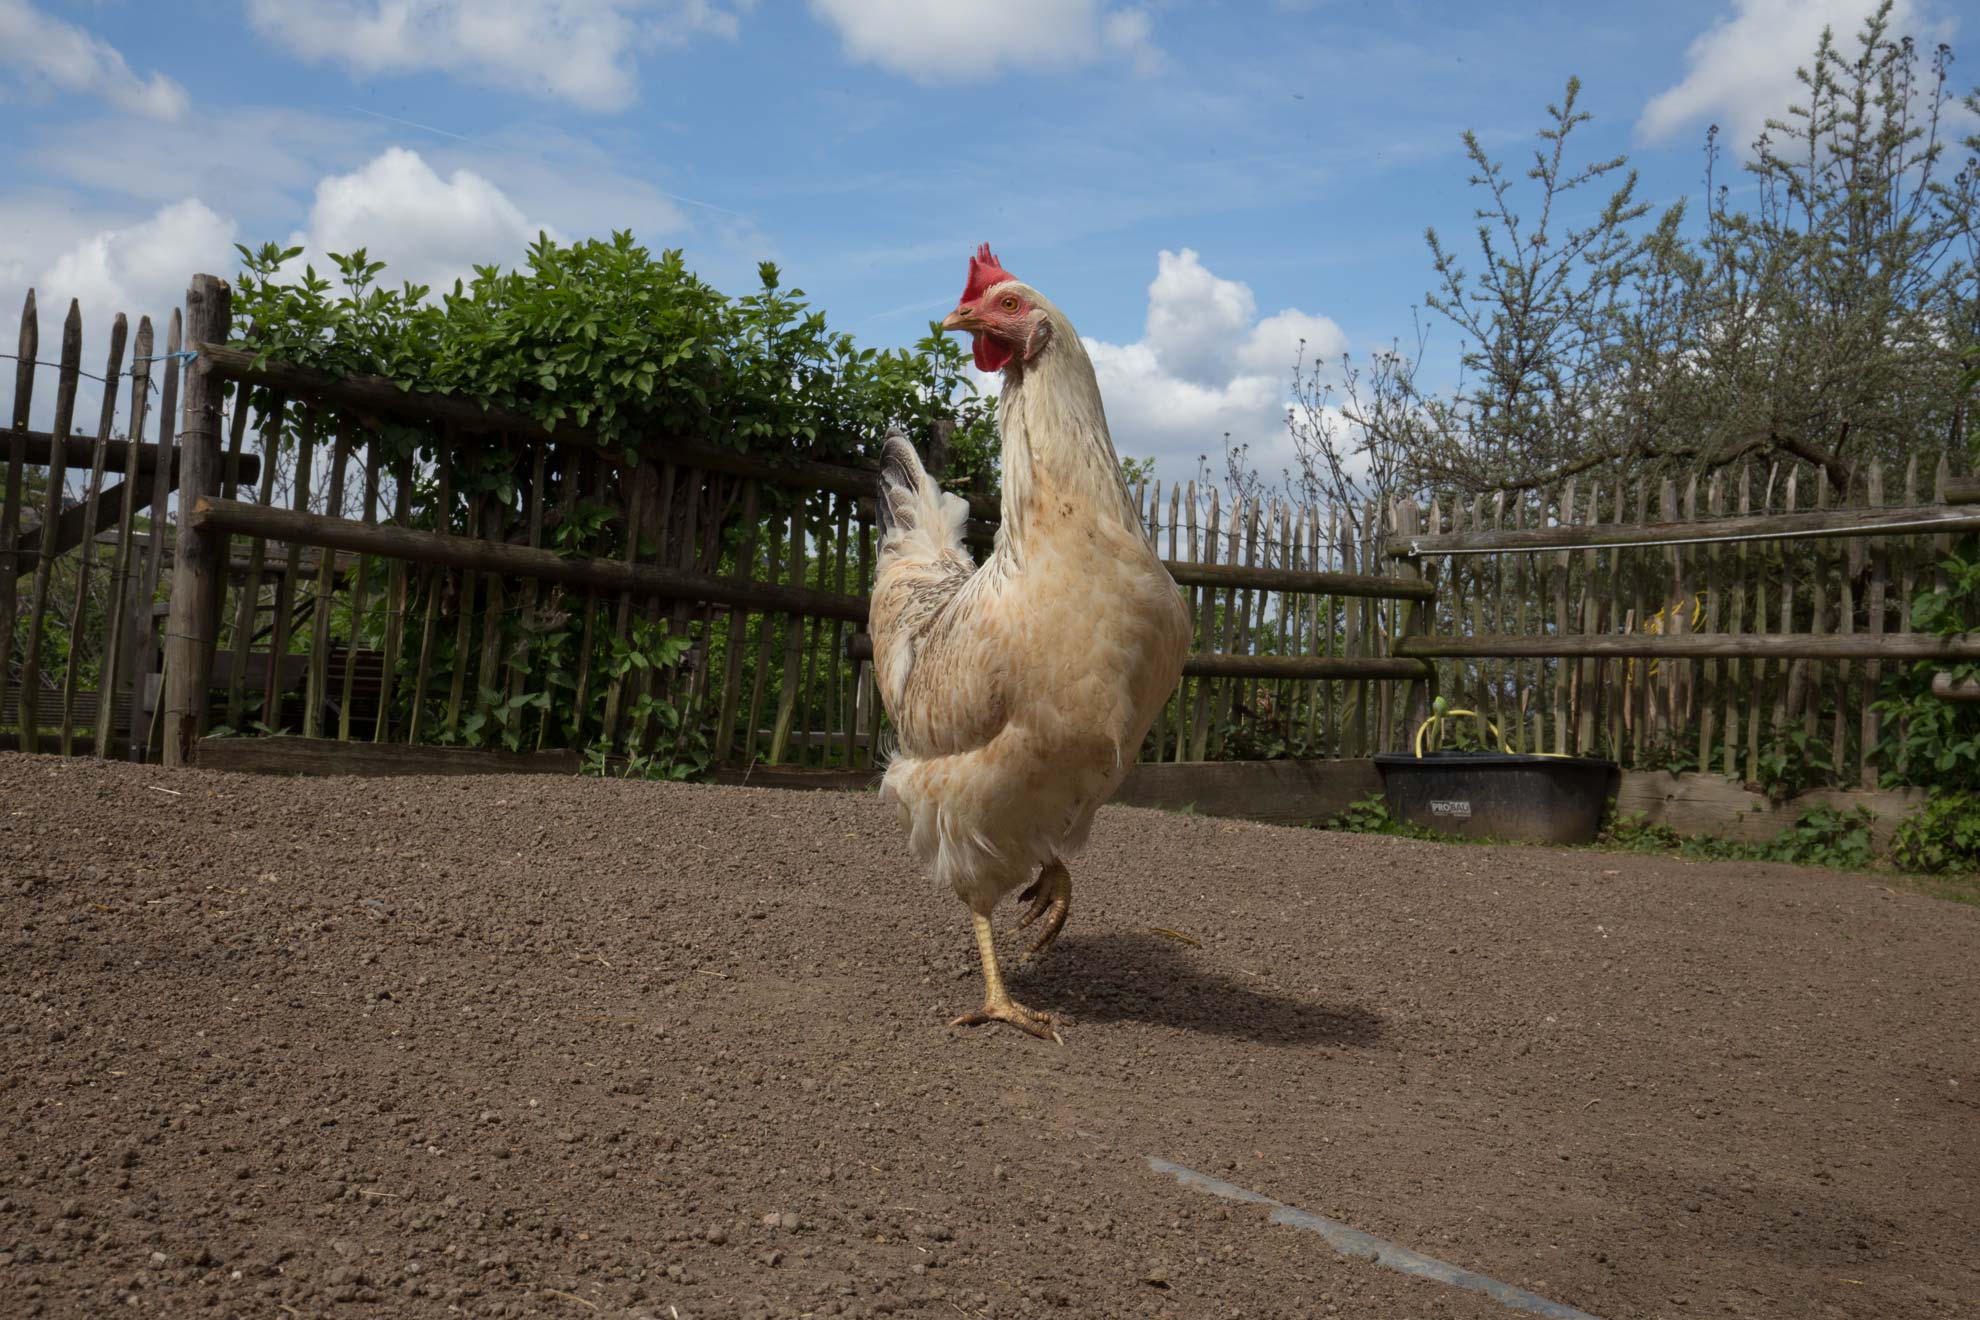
[1135,977]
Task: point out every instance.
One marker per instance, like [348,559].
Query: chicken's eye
[1010,302]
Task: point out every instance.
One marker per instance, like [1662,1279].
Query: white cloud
[972,40]
[145,267]
[427,229]
[1741,70]
[581,51]
[135,264]
[64,57]
[1205,364]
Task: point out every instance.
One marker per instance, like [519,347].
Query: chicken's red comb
[985,272]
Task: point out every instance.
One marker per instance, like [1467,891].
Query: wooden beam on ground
[285,755]
[1693,803]
[1812,524]
[606,575]
[1271,792]
[1766,646]
[1947,688]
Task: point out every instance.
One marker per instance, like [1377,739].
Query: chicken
[1020,689]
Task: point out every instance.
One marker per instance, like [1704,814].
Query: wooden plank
[1177,707]
[1207,618]
[79,450]
[69,374]
[1790,525]
[1671,598]
[1845,624]
[1755,684]
[1187,692]
[285,585]
[1947,688]
[838,712]
[1586,695]
[196,566]
[328,756]
[521,663]
[637,499]
[1776,646]
[1526,677]
[115,669]
[93,504]
[247,601]
[430,587]
[807,689]
[1709,685]
[494,527]
[1234,665]
[868,687]
[1871,730]
[772,558]
[793,640]
[1563,569]
[318,692]
[396,587]
[1791,668]
[1289,792]
[360,592]
[11,498]
[1708,804]
[736,639]
[230,463]
[450,724]
[1644,733]
[1354,695]
[164,479]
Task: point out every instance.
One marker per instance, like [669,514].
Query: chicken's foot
[998,1006]
[1050,896]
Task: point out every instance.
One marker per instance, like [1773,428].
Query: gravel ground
[532,1046]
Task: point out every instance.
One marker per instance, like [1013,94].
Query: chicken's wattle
[991,354]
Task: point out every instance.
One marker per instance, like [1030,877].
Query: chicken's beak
[961,319]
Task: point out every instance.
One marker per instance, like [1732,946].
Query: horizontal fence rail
[1778,527]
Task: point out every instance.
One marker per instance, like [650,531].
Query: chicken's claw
[1050,896]
[1028,1020]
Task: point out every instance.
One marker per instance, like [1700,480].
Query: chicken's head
[1003,317]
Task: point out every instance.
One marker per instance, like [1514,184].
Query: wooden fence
[1748,616]
[328,578]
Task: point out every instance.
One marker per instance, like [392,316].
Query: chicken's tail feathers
[918,520]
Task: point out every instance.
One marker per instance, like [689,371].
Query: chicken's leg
[1050,896]
[998,1006]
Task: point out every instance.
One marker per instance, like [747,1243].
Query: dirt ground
[533,1046]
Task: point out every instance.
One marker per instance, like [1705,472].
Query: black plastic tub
[1496,795]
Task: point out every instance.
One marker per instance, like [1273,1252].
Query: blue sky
[1198,185]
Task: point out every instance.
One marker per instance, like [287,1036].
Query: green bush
[1941,837]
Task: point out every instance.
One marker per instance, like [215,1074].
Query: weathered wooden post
[191,630]
[10,493]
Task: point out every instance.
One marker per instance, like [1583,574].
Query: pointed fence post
[191,628]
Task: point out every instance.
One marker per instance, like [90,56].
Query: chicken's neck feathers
[1056,445]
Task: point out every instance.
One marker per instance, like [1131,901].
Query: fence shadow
[1140,977]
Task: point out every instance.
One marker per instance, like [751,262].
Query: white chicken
[1020,690]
